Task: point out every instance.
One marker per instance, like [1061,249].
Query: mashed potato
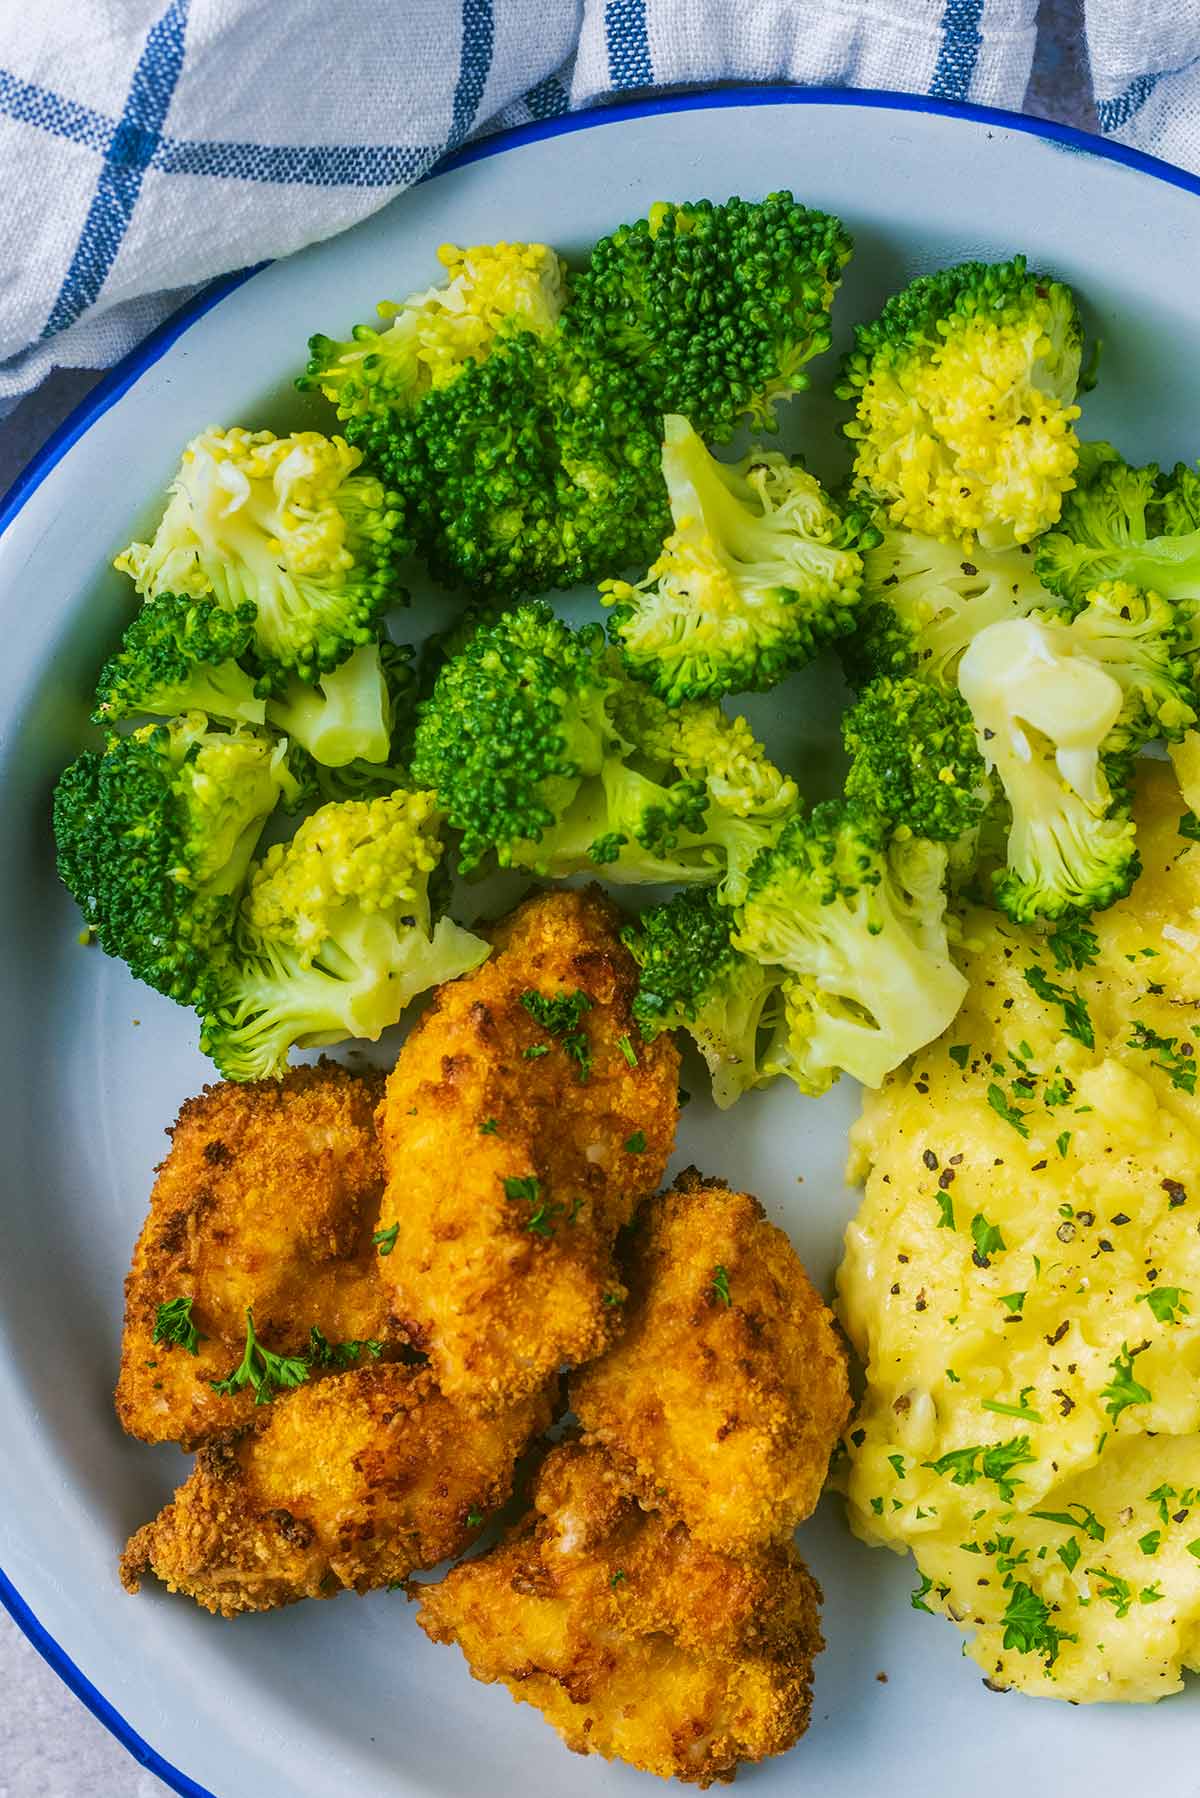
[1023,1283]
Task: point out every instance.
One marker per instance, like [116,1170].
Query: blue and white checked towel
[148,145]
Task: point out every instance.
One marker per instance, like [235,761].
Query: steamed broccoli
[286,525]
[923,601]
[755,578]
[182,654]
[1127,524]
[354,714]
[858,923]
[544,756]
[336,935]
[964,387]
[914,759]
[155,837]
[719,306]
[1047,717]
[692,978]
[1142,642]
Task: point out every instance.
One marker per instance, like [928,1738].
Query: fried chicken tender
[517,1142]
[633,1640]
[351,1482]
[724,1398]
[267,1200]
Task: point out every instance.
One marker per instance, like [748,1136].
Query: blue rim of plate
[144,355]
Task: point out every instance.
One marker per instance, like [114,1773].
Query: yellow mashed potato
[1022,1282]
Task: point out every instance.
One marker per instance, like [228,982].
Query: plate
[327,1698]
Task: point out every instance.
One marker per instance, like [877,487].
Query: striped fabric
[148,145]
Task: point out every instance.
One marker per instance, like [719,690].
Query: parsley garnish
[1073,945]
[1177,1062]
[1189,827]
[523,1186]
[267,1373]
[987,1239]
[1150,1541]
[1022,1409]
[1010,1113]
[1123,1389]
[541,1221]
[636,1144]
[917,1597]
[618,1576]
[1013,1302]
[385,1240]
[945,1205]
[563,1016]
[1089,1523]
[474,1518]
[720,1285]
[959,1053]
[996,1462]
[173,1324]
[1062,1142]
[535,1051]
[1112,1587]
[1165,1301]
[896,1463]
[627,1050]
[488,1127]
[323,1353]
[1027,1625]
[1069,1554]
[1077,1020]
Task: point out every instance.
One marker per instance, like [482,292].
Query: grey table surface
[50,1746]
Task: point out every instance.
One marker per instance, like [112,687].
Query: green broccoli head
[858,923]
[336,935]
[964,387]
[923,602]
[356,714]
[287,526]
[719,306]
[155,837]
[1142,642]
[756,577]
[914,759]
[1047,716]
[1126,524]
[692,978]
[426,341]
[182,654]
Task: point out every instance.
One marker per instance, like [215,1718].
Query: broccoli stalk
[755,578]
[964,387]
[858,924]
[336,936]
[692,978]
[155,837]
[182,654]
[284,525]
[346,716]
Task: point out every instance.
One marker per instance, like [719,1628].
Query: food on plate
[350,1483]
[1126,524]
[518,411]
[265,1205]
[724,1397]
[759,573]
[1020,1283]
[632,1640]
[598,774]
[522,1123]
[964,388]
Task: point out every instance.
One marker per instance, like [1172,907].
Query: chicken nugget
[350,1482]
[523,1121]
[266,1201]
[725,1396]
[633,1640]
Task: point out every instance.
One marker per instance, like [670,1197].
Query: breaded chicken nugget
[632,1640]
[352,1482]
[725,1396]
[523,1121]
[267,1200]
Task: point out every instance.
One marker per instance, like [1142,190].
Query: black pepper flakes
[1122,1217]
[946,1178]
[930,1160]
[1176,1193]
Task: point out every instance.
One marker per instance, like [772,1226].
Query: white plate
[326,1698]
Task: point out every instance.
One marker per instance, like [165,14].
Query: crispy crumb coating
[267,1199]
[724,1414]
[508,1174]
[350,1482]
[632,1640]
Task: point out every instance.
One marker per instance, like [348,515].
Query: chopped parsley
[1069,1554]
[559,1015]
[1178,1060]
[1027,1625]
[1193,1548]
[959,1053]
[618,1576]
[916,1598]
[628,1051]
[1123,1390]
[173,1325]
[987,1239]
[636,1144]
[1150,1541]
[1165,1302]
[1014,1302]
[267,1373]
[474,1518]
[323,1353]
[1010,1113]
[518,1187]
[1189,827]
[1073,945]
[1077,1020]
[1150,1594]
[541,1220]
[1021,1409]
[488,1127]
[896,1462]
[720,1285]
[385,1240]
[1062,1142]
[945,1205]
[1088,1522]
[1117,1591]
[995,1462]
[613,1298]
[535,1051]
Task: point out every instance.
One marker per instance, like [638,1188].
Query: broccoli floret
[755,578]
[1127,524]
[1045,713]
[352,714]
[543,755]
[964,387]
[692,978]
[428,339]
[923,601]
[719,306]
[182,654]
[858,923]
[336,935]
[1142,642]
[914,759]
[155,837]
[286,525]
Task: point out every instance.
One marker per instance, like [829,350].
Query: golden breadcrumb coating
[267,1200]
[632,1640]
[351,1482]
[509,1174]
[724,1398]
